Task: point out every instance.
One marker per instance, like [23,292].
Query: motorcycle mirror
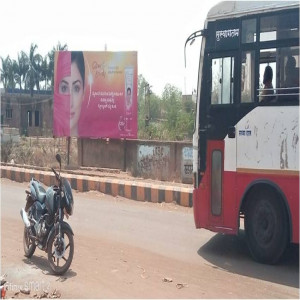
[58,158]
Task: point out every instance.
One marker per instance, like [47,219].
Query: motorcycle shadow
[41,262]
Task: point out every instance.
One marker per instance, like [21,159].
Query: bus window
[222,80]
[291,72]
[290,67]
[249,31]
[288,64]
[284,26]
[247,76]
[267,58]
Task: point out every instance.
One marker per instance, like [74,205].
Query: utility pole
[147,93]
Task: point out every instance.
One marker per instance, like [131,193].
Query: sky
[156,29]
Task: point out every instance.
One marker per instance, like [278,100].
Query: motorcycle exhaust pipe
[25,217]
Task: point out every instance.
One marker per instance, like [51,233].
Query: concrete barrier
[158,160]
[131,189]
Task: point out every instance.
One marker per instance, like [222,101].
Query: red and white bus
[246,139]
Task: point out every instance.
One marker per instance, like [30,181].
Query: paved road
[129,249]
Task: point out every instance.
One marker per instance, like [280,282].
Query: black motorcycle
[44,226]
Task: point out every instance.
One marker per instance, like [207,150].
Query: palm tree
[17,73]
[20,68]
[45,71]
[29,70]
[6,71]
[33,75]
[38,74]
[11,76]
[24,66]
[51,55]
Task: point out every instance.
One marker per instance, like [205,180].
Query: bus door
[221,117]
[215,164]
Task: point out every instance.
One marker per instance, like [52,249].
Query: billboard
[95,94]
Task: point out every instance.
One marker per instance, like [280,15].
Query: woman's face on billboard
[73,86]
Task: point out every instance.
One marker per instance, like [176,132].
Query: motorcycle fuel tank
[50,200]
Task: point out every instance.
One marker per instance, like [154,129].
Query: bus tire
[266,227]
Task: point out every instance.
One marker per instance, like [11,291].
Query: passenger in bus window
[268,87]
[291,73]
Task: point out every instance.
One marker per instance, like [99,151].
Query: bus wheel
[266,227]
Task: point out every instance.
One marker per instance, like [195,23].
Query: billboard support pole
[68,155]
[125,152]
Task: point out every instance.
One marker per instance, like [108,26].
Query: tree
[51,55]
[172,100]
[33,72]
[44,69]
[17,73]
[179,114]
[170,118]
[20,67]
[23,61]
[6,71]
[29,70]
[148,109]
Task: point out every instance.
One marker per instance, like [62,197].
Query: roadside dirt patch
[39,151]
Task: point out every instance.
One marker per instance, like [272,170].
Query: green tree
[179,114]
[170,117]
[148,109]
[51,55]
[6,71]
[17,73]
[142,82]
[29,70]
[172,100]
[23,61]
[20,67]
[33,73]
[141,106]
[45,72]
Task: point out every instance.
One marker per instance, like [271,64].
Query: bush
[39,151]
[6,150]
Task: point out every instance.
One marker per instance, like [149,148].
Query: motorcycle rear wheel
[28,244]
[61,251]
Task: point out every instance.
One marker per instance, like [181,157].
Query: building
[33,116]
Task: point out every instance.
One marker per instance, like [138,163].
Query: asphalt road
[130,249]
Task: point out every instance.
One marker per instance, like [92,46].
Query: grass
[39,151]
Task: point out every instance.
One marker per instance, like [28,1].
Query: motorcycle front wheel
[28,244]
[60,251]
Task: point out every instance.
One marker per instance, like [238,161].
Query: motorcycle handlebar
[56,175]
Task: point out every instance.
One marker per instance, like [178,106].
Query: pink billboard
[95,94]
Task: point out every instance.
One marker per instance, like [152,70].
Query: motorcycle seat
[40,191]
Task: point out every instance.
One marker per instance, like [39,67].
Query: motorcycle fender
[52,232]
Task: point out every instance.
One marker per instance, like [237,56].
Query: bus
[246,138]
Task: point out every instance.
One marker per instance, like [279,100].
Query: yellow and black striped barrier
[135,190]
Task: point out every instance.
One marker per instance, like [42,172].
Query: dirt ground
[128,249]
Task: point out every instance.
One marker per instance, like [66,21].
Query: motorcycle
[45,227]
[2,287]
